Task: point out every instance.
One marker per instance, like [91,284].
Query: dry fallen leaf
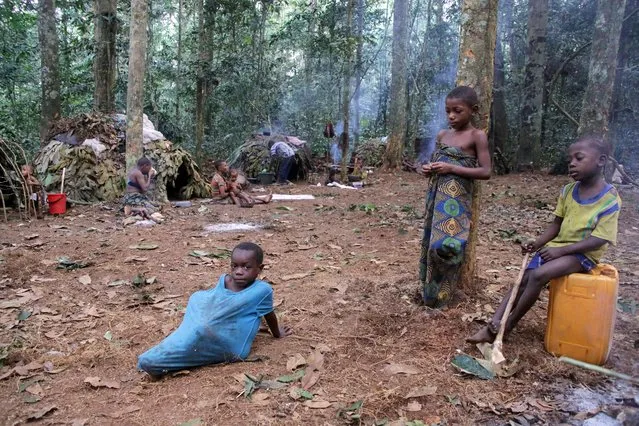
[393,368]
[340,288]
[260,398]
[317,404]
[414,406]
[295,361]
[421,391]
[316,360]
[37,415]
[85,279]
[35,389]
[96,382]
[310,379]
[127,410]
[79,422]
[93,311]
[321,347]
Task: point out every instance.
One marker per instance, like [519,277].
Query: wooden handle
[64,170]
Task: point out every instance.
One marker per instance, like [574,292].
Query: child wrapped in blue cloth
[221,323]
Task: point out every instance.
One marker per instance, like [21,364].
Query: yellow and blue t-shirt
[582,218]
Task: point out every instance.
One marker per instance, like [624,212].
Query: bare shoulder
[479,135]
[441,134]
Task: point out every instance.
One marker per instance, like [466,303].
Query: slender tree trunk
[135,86]
[358,70]
[395,146]
[200,84]
[49,73]
[532,107]
[475,69]
[346,95]
[178,76]
[421,81]
[499,124]
[106,26]
[597,99]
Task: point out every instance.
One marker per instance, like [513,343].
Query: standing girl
[460,157]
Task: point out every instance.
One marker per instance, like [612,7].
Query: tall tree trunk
[597,99]
[346,89]
[499,123]
[135,84]
[475,69]
[178,76]
[49,73]
[532,107]
[105,31]
[358,70]
[202,84]
[395,146]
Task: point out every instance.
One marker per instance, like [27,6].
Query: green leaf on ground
[290,378]
[23,315]
[469,365]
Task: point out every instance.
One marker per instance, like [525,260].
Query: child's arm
[143,181]
[551,232]
[589,244]
[483,158]
[277,331]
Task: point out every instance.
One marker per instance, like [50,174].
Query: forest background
[217,71]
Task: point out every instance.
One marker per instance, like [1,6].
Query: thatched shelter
[91,148]
[371,152]
[253,156]
[13,188]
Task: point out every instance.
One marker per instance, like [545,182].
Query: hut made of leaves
[253,156]
[371,152]
[91,149]
[13,188]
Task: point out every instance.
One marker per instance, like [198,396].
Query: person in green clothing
[585,223]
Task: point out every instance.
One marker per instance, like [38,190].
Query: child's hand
[550,253]
[425,169]
[285,330]
[528,247]
[442,168]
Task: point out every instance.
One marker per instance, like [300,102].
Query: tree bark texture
[346,95]
[105,31]
[203,84]
[395,146]
[475,68]
[499,123]
[358,70]
[135,83]
[178,75]
[597,99]
[49,73]
[532,104]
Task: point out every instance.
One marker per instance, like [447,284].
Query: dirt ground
[344,269]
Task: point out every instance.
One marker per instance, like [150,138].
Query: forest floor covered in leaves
[344,271]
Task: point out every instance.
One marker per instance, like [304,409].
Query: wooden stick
[598,369]
[4,208]
[64,170]
[497,356]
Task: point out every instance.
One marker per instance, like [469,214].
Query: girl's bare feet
[484,335]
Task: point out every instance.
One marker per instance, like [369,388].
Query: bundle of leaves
[253,157]
[77,129]
[371,152]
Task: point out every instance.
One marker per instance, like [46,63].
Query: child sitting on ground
[237,187]
[585,222]
[220,323]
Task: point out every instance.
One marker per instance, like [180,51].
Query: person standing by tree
[460,157]
[286,154]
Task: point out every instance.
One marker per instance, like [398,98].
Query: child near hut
[461,156]
[35,189]
[238,185]
[138,183]
[221,323]
[221,193]
[585,223]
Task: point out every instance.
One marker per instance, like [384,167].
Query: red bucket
[57,203]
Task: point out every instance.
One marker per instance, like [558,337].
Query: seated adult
[135,199]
